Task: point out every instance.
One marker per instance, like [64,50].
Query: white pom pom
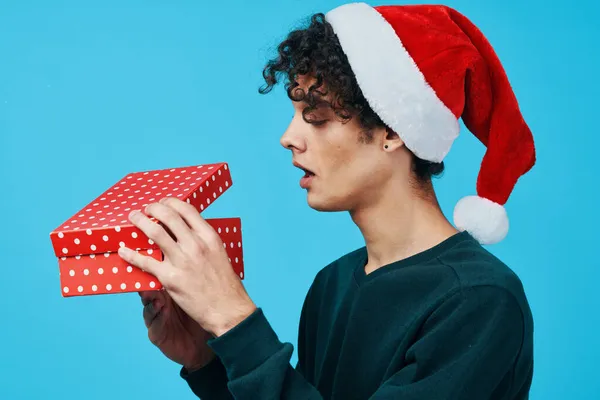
[484,219]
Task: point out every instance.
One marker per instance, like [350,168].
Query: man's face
[345,171]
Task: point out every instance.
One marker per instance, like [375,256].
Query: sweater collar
[361,277]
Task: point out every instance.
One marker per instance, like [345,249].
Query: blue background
[92,90]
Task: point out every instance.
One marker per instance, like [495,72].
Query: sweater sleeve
[209,382]
[467,349]
[257,363]
[254,344]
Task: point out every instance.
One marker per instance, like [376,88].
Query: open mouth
[306,180]
[307,173]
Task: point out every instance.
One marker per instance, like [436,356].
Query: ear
[392,141]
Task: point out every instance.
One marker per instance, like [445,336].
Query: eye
[317,117]
[319,122]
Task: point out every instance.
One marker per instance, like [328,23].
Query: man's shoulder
[474,266]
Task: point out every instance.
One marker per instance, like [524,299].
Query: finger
[172,220]
[148,314]
[186,211]
[193,218]
[152,309]
[145,263]
[154,231]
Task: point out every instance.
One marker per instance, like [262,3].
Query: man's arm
[211,382]
[466,349]
[208,382]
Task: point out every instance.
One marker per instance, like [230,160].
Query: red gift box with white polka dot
[86,244]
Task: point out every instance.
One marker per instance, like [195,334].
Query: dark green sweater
[452,322]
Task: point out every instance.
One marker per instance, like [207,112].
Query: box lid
[102,226]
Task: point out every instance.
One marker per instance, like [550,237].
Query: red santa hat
[422,68]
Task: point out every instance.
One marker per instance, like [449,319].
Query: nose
[293,137]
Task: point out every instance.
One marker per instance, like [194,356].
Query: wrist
[230,321]
[195,365]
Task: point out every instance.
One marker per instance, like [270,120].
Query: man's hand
[196,271]
[178,336]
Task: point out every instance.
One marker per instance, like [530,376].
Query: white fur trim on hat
[484,219]
[391,81]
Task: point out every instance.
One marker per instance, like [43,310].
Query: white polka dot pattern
[86,243]
[90,275]
[230,232]
[100,226]
[111,274]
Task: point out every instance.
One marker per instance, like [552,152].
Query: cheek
[347,176]
[361,173]
[340,161]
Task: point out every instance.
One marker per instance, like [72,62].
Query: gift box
[86,244]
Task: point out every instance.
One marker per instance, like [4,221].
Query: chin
[326,204]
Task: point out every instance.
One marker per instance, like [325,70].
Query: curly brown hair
[315,51]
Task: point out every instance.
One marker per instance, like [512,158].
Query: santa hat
[422,68]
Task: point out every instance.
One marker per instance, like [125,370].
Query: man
[422,311]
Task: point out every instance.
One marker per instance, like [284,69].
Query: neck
[397,226]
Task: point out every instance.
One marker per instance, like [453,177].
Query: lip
[298,165]
[302,167]
[305,180]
